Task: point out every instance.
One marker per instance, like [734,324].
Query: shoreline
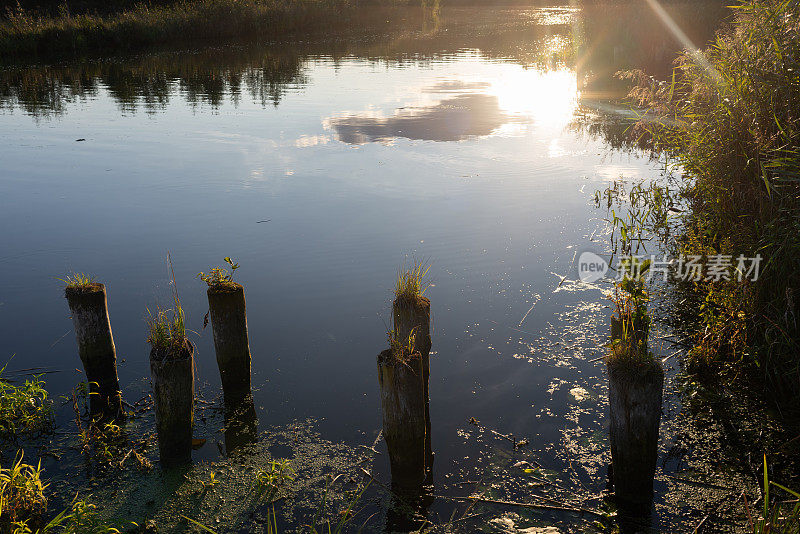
[27,36]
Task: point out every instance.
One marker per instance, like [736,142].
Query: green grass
[25,409]
[22,497]
[24,33]
[775,515]
[78,280]
[80,518]
[410,281]
[730,120]
[167,328]
[268,481]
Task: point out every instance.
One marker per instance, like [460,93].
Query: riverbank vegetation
[30,33]
[730,122]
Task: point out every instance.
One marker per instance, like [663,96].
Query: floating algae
[227,496]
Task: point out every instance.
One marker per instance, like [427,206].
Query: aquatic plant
[24,409]
[268,481]
[22,499]
[776,516]
[319,524]
[410,284]
[346,516]
[102,442]
[219,276]
[80,518]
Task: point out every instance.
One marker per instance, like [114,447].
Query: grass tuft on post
[76,280]
[411,285]
[635,390]
[172,371]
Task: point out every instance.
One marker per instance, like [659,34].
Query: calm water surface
[321,172]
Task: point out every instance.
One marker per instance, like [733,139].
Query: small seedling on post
[89,307]
[636,380]
[226,306]
[172,370]
[411,315]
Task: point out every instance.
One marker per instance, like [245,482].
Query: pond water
[472,139]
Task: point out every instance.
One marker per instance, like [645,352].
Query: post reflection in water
[241,421]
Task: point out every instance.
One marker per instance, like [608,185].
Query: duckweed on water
[306,477]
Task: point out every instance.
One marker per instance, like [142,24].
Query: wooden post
[173,387]
[634,397]
[229,323]
[89,309]
[413,315]
[404,425]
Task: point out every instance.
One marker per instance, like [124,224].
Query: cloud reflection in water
[466,114]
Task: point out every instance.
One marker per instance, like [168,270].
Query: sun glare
[549,98]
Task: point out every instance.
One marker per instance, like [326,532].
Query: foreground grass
[24,409]
[731,120]
[25,34]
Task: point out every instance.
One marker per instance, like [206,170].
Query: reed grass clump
[167,328]
[22,500]
[730,118]
[773,515]
[24,409]
[410,284]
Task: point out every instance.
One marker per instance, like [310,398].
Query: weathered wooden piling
[89,308]
[404,425]
[411,316]
[229,323]
[634,395]
[172,371]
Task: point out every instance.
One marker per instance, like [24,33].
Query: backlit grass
[24,409]
[410,282]
[22,499]
[75,280]
[730,120]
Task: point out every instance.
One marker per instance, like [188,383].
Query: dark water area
[472,138]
